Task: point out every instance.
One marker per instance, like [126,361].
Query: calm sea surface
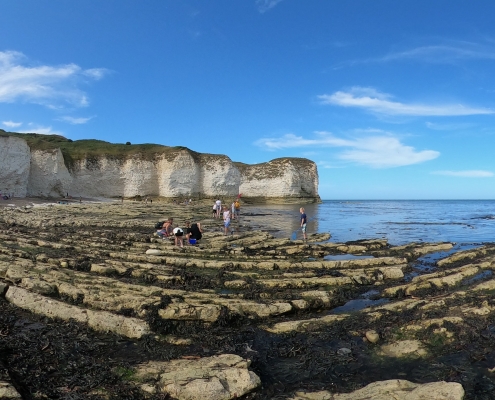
[399,221]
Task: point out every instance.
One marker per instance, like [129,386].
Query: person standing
[304,220]
[237,209]
[218,203]
[226,219]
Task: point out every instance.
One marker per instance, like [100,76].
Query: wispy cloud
[384,151]
[448,53]
[42,130]
[11,124]
[448,127]
[75,121]
[381,103]
[328,165]
[441,52]
[52,86]
[466,173]
[265,5]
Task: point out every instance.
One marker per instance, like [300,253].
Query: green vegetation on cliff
[91,148]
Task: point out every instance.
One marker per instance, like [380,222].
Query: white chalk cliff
[30,171]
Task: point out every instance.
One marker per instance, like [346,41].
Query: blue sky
[392,99]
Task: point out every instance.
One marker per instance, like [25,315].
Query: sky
[391,99]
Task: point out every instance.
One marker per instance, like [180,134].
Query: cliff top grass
[80,149]
[75,150]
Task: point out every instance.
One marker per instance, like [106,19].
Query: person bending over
[167,229]
[193,231]
[179,234]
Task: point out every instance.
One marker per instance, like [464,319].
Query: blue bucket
[192,241]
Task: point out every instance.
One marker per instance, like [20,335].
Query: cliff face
[14,165]
[283,177]
[172,172]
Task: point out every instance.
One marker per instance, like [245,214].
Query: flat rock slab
[404,348]
[102,321]
[221,377]
[7,391]
[394,389]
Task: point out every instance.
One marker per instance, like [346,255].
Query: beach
[95,305]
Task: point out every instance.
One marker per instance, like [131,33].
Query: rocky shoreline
[94,306]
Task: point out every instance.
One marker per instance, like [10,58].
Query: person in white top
[178,233]
[218,203]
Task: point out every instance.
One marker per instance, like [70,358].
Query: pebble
[372,336]
[344,351]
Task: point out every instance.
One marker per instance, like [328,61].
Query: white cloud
[372,100]
[265,5]
[52,86]
[384,151]
[75,121]
[42,130]
[11,124]
[466,173]
[292,141]
[95,73]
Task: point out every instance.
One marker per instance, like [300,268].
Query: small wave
[489,216]
[426,223]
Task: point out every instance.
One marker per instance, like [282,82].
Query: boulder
[221,377]
[372,336]
[154,252]
[7,391]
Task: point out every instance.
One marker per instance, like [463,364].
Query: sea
[398,221]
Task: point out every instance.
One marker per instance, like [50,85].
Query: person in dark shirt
[193,231]
[304,220]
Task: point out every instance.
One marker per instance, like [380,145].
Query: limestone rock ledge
[221,377]
[396,389]
[38,165]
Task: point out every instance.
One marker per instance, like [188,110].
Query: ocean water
[399,221]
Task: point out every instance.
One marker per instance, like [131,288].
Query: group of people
[194,231]
[191,231]
[235,209]
[227,214]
